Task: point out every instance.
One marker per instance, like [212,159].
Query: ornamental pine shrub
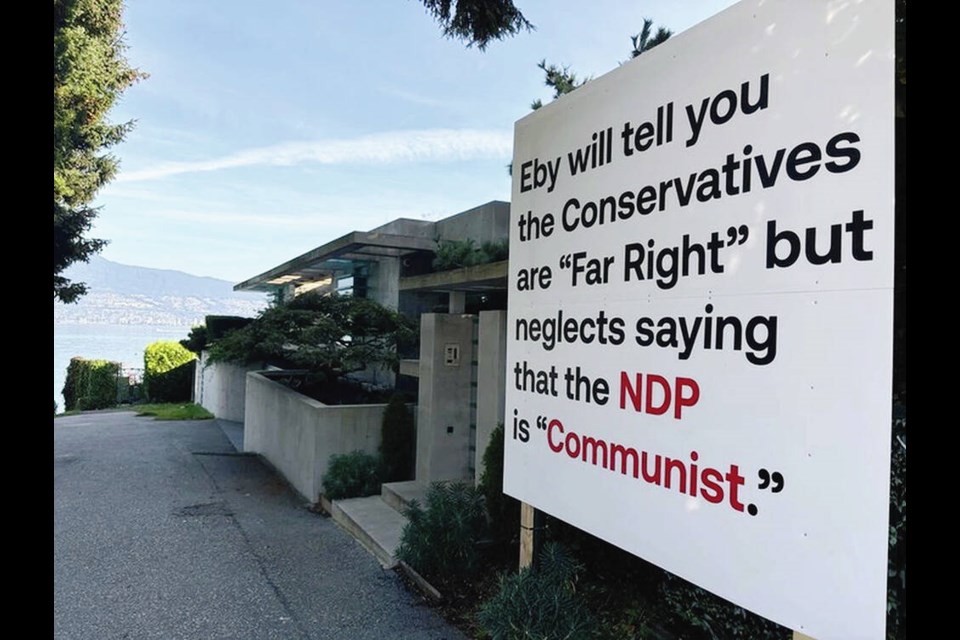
[440,537]
[540,604]
[168,369]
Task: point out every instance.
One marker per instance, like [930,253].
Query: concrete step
[399,494]
[375,524]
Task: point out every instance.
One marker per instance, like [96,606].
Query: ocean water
[120,343]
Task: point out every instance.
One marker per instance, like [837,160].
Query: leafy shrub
[503,510]
[168,369]
[219,326]
[196,340]
[456,254]
[90,384]
[440,540]
[453,254]
[710,616]
[397,441]
[351,475]
[539,604]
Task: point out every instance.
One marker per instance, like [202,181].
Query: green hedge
[397,441]
[90,384]
[168,369]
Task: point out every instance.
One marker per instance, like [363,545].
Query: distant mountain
[129,295]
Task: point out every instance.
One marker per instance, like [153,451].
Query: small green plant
[397,441]
[351,475]
[539,604]
[503,510]
[440,538]
[168,370]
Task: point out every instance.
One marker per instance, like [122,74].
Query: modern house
[458,374]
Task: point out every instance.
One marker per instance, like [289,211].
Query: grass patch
[174,411]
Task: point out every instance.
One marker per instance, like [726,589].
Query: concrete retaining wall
[220,388]
[297,434]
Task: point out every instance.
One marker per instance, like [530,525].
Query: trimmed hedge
[90,384]
[168,369]
[397,441]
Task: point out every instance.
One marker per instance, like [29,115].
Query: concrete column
[491,379]
[458,302]
[443,408]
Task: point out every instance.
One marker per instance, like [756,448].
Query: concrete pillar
[443,408]
[458,302]
[491,379]
[383,283]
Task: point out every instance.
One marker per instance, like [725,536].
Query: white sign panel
[700,312]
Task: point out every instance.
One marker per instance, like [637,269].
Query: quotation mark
[772,480]
[737,235]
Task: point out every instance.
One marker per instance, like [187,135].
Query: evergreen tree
[89,74]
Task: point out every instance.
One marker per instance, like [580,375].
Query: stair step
[399,494]
[373,523]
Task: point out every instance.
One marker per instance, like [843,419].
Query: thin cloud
[435,145]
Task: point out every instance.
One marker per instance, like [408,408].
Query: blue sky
[266,129]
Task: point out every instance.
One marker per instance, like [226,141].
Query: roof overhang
[335,257]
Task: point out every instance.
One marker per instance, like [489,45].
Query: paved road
[159,532]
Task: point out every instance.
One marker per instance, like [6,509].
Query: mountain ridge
[132,295]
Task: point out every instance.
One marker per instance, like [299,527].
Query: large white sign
[700,312]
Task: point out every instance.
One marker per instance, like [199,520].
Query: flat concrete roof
[334,256]
[483,277]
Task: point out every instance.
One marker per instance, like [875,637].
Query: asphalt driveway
[161,530]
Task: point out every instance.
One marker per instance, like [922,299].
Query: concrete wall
[491,379]
[487,223]
[220,388]
[297,434]
[443,411]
